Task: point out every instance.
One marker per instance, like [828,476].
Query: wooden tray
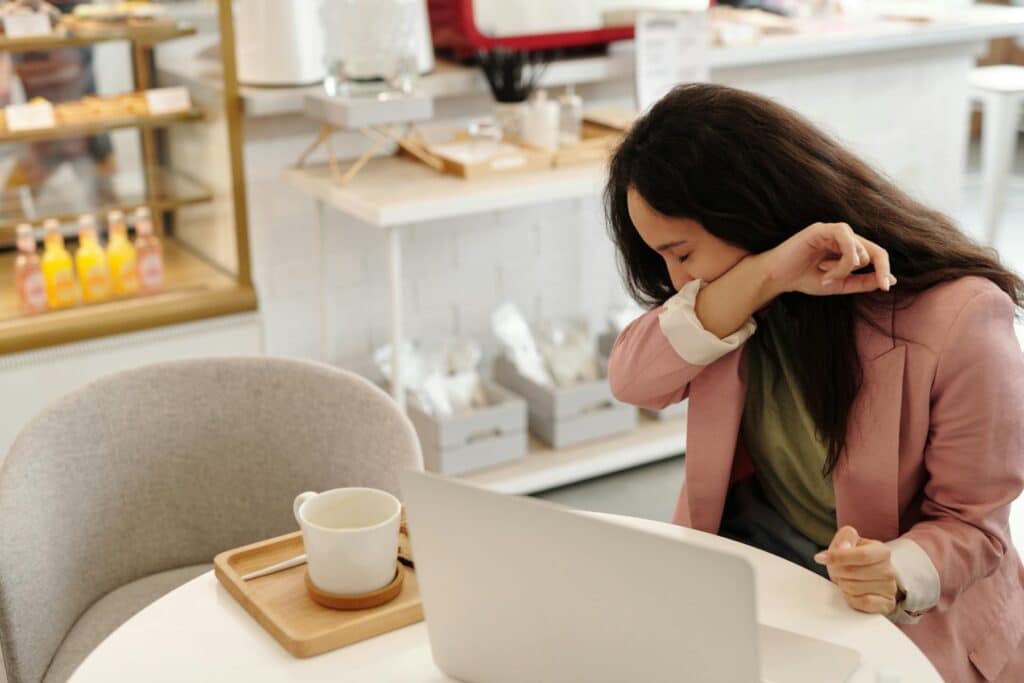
[281,605]
[596,144]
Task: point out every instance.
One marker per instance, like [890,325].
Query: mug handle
[299,500]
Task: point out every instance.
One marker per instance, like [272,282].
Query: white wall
[905,113]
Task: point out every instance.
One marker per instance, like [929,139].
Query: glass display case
[94,154]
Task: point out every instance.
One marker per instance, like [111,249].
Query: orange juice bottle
[28,274]
[121,256]
[57,270]
[93,272]
[148,252]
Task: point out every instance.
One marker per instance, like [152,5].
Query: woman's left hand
[863,570]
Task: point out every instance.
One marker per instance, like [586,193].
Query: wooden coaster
[355,602]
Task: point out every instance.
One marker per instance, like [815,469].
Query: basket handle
[484,434]
[603,404]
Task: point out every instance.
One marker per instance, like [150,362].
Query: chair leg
[1001,115]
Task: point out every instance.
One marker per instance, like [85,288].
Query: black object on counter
[512,74]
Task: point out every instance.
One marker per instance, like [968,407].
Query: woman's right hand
[818,260]
[821,259]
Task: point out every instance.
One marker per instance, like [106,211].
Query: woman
[865,424]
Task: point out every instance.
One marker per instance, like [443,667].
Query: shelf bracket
[380,136]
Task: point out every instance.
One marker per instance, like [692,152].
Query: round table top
[198,632]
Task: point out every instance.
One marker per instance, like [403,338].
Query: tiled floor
[651,491]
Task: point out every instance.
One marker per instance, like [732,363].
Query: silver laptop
[520,590]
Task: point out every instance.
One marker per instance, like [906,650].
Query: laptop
[520,590]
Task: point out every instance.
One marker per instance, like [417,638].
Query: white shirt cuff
[917,576]
[686,334]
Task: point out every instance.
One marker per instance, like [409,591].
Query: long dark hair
[754,173]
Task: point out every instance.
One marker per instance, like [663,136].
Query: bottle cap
[86,221]
[53,234]
[26,238]
[51,224]
[143,222]
[116,225]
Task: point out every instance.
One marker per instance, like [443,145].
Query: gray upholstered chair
[128,487]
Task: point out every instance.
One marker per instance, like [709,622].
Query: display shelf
[194,289]
[89,33]
[392,191]
[74,130]
[166,190]
[547,468]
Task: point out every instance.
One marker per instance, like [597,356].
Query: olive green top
[780,434]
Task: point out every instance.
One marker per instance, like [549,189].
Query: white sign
[671,48]
[29,116]
[27,25]
[168,100]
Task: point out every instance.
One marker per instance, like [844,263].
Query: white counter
[981,23]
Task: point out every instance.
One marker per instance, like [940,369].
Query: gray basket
[677,410]
[456,444]
[565,417]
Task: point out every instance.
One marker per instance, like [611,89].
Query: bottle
[570,117]
[121,256]
[540,125]
[57,269]
[28,274]
[148,252]
[93,271]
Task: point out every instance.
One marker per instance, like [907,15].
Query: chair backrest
[167,465]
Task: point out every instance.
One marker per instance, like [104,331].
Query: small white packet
[511,328]
[466,391]
[435,390]
[570,351]
[443,379]
[462,379]
[422,376]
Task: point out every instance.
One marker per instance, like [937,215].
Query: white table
[199,633]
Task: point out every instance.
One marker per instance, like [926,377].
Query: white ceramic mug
[351,538]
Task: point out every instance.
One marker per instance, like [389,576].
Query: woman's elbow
[621,387]
[617,380]
[626,389]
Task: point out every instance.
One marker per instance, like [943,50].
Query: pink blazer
[934,454]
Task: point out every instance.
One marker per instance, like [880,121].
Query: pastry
[29,7]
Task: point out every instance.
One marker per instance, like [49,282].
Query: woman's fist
[821,260]
[863,571]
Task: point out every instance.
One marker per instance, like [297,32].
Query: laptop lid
[517,589]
